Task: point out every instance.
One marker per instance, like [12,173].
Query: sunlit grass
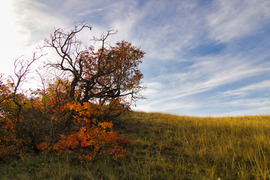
[192,147]
[168,147]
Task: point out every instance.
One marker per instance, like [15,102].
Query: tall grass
[168,147]
[176,147]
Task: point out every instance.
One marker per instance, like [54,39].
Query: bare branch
[21,69]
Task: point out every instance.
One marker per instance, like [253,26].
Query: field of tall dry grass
[167,146]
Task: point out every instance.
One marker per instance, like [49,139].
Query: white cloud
[247,90]
[236,19]
[92,11]
[27,24]
[35,20]
[249,106]
[8,37]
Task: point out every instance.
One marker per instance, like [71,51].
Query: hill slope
[169,147]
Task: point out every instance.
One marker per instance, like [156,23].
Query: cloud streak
[231,20]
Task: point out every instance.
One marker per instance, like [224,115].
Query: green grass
[168,147]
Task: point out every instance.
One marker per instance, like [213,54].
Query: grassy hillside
[168,147]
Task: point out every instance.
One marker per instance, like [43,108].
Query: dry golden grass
[167,146]
[192,147]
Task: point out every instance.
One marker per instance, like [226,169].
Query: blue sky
[203,57]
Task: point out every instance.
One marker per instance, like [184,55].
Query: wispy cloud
[248,90]
[236,19]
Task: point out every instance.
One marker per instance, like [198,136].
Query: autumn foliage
[72,114]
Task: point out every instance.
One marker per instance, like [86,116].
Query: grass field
[168,147]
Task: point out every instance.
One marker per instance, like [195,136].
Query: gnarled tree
[97,76]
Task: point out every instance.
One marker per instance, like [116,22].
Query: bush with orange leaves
[50,123]
[92,140]
[9,143]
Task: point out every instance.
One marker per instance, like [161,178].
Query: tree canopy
[108,72]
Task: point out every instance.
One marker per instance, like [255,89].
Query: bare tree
[109,72]
[21,69]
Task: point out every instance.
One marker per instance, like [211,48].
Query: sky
[203,57]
